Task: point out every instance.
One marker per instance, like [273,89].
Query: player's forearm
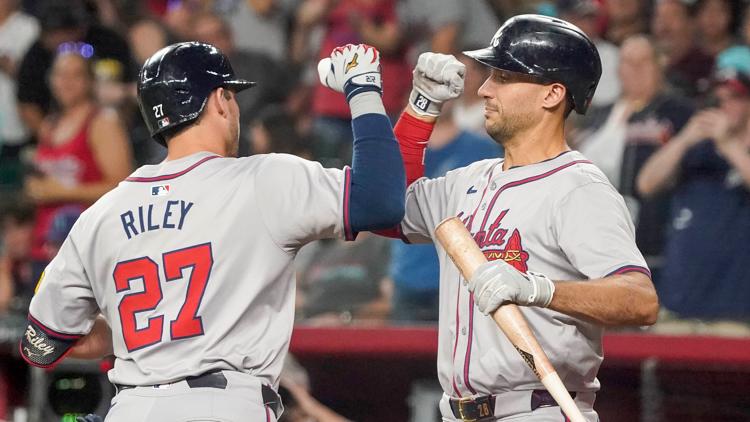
[618,300]
[660,170]
[96,344]
[378,185]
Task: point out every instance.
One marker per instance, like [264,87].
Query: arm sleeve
[62,310]
[596,233]
[377,176]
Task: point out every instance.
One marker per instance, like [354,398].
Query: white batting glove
[437,78]
[351,69]
[497,282]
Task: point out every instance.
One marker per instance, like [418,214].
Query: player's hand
[436,79]
[497,282]
[351,69]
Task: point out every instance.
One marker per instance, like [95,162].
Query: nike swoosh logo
[471,190]
[352,64]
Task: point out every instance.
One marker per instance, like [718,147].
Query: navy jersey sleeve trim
[630,269]
[44,347]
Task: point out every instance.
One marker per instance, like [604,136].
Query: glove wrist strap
[423,105]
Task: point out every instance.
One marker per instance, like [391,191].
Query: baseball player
[557,235]
[190,261]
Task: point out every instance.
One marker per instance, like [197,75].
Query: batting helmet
[175,82]
[548,48]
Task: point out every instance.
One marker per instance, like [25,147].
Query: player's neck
[533,146]
[192,141]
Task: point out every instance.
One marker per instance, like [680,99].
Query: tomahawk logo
[38,342]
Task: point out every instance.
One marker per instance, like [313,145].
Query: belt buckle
[461,402]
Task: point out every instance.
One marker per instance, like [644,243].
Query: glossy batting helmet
[175,83]
[548,48]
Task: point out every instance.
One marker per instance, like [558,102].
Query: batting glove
[497,282]
[351,69]
[437,78]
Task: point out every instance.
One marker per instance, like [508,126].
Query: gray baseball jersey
[190,262]
[560,217]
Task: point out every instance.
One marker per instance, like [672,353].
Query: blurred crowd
[668,126]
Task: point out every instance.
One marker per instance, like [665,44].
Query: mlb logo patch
[163,122]
[160,190]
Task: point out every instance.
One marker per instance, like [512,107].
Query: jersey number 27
[188,323]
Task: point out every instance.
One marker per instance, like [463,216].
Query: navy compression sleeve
[378,183]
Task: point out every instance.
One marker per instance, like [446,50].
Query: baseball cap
[737,81]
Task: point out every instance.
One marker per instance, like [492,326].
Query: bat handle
[556,388]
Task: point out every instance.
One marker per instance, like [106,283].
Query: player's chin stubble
[507,126]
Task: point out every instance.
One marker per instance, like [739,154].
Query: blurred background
[365,342]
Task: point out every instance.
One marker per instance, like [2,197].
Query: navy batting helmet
[548,48]
[175,82]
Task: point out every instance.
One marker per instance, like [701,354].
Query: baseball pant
[240,400]
[517,406]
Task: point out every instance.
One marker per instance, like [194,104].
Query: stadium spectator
[372,22]
[64,25]
[625,18]
[673,27]
[83,150]
[344,282]
[276,130]
[414,269]
[715,25]
[16,278]
[621,137]
[707,166]
[259,26]
[585,15]
[447,26]
[273,81]
[17,32]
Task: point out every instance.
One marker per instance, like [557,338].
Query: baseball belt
[482,408]
[216,379]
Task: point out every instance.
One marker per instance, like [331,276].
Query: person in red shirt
[83,150]
[372,22]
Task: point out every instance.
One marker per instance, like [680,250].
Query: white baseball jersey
[560,217]
[190,262]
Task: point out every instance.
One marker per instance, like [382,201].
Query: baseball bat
[463,250]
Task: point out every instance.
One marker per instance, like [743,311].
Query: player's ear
[220,99]
[555,95]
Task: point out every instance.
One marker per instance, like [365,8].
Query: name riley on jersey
[170,215]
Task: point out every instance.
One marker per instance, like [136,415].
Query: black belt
[216,379]
[482,408]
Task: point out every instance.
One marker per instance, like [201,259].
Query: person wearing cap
[706,167]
